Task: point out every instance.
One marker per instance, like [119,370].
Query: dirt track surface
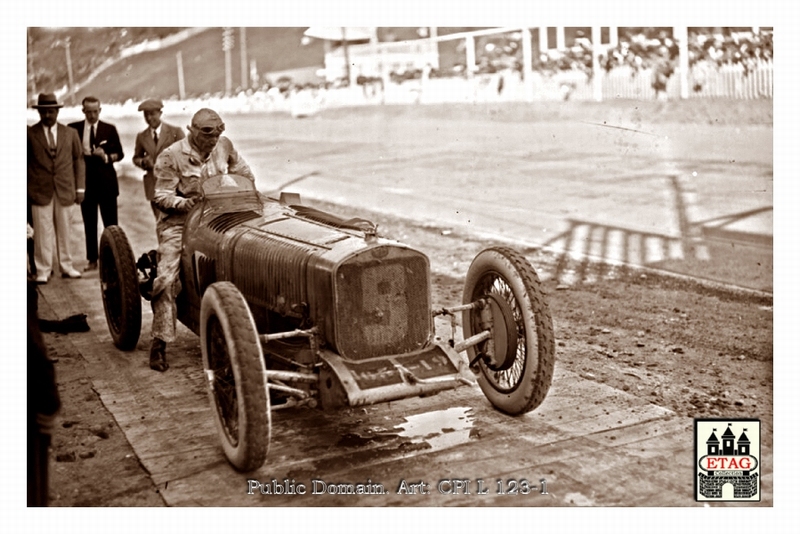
[625,182]
[638,356]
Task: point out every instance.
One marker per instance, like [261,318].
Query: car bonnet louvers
[226,221]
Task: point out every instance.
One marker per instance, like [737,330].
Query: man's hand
[185,204]
[100,153]
[145,162]
[79,197]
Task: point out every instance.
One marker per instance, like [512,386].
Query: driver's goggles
[212,130]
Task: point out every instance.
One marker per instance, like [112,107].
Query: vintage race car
[295,306]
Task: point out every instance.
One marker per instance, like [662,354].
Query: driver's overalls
[180,172]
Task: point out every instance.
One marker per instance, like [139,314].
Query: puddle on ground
[440,429]
[355,439]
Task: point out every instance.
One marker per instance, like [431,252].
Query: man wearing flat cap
[180,171]
[150,142]
[56,181]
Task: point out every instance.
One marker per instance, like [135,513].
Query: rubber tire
[534,381]
[119,285]
[224,306]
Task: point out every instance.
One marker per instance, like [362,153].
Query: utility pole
[469,43]
[544,43]
[681,34]
[181,85]
[346,57]
[597,79]
[434,31]
[378,62]
[527,63]
[71,83]
[69,73]
[561,41]
[227,46]
[243,57]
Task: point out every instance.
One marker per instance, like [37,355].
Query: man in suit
[150,142]
[101,149]
[56,181]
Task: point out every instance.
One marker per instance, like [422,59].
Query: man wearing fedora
[150,142]
[56,181]
[101,149]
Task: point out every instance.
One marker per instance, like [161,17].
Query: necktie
[91,137]
[155,137]
[51,141]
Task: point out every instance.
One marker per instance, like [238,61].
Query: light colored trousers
[167,284]
[51,227]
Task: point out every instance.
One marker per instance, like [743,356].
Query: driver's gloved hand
[184,204]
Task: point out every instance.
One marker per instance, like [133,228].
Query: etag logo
[727,466]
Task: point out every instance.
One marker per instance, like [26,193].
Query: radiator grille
[382,306]
[270,272]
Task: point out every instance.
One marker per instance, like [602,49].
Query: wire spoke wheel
[506,378]
[516,364]
[224,383]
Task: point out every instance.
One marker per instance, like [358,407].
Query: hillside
[156,74]
[88,49]
[273,49]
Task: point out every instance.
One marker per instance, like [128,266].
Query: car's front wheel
[515,365]
[236,374]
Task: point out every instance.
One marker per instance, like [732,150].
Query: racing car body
[295,306]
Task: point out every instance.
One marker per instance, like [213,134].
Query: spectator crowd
[718,48]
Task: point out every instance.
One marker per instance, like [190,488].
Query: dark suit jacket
[145,152]
[61,175]
[101,177]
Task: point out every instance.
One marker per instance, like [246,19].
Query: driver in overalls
[180,171]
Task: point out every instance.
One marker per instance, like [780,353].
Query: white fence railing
[728,81]
[733,81]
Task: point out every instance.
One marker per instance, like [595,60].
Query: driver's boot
[158,355]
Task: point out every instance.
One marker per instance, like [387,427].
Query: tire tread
[251,451]
[125,265]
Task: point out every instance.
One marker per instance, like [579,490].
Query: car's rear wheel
[234,366]
[120,288]
[516,364]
